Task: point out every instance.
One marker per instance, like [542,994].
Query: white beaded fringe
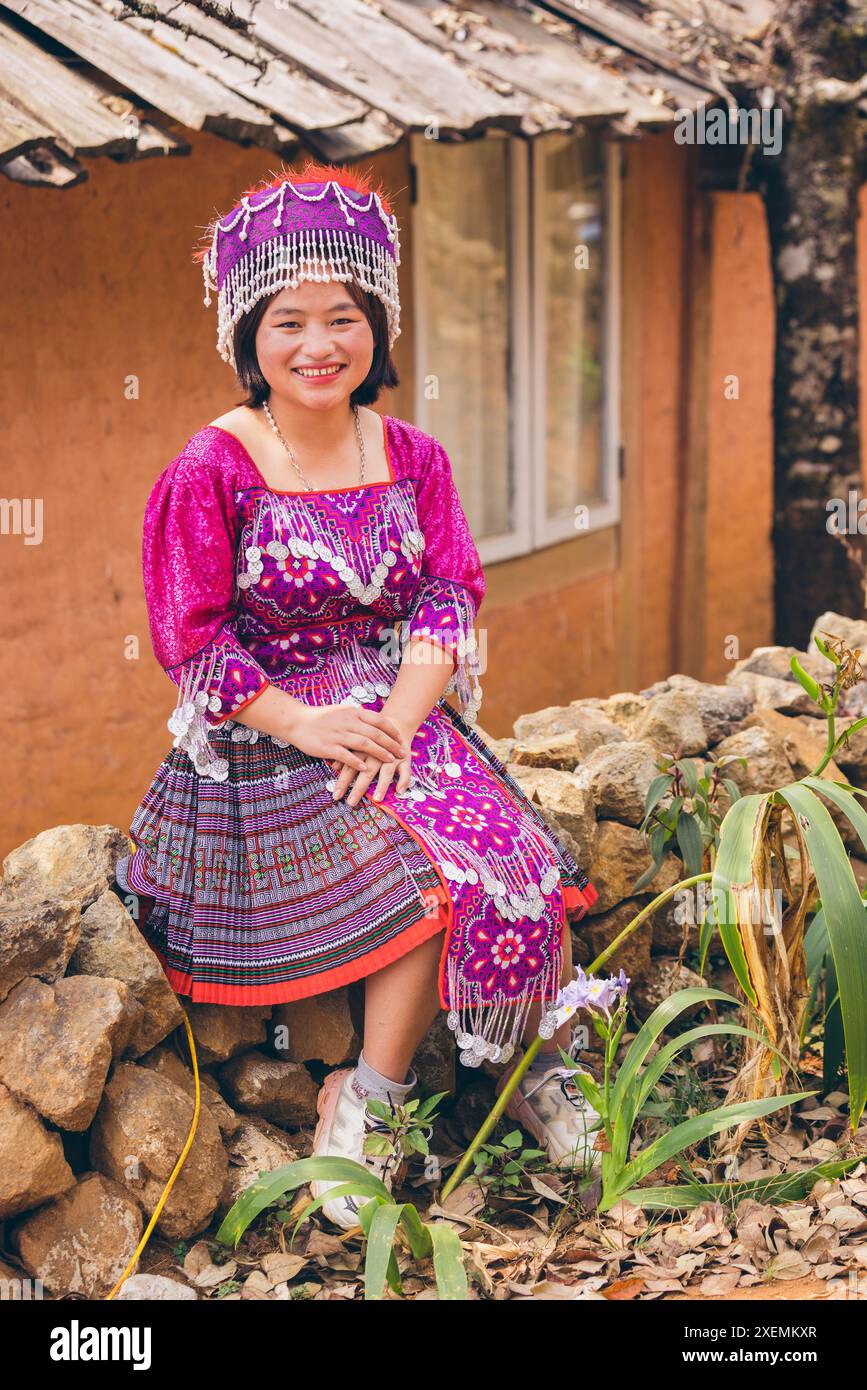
[284,261]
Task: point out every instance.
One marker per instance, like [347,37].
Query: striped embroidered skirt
[262,888]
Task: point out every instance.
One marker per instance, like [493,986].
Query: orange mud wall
[696,559]
[109,365]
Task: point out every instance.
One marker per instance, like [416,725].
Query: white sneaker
[344,1123]
[556,1113]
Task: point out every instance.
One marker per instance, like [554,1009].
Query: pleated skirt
[262,888]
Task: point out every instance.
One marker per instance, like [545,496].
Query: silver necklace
[276,428]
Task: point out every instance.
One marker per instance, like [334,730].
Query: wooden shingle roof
[127,78]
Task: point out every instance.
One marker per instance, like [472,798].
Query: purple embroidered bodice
[317,593]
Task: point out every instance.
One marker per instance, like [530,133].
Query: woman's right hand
[346,732]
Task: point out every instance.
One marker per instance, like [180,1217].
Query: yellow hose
[177,1168]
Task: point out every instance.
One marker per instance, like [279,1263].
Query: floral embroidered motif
[507,948]
[297,571]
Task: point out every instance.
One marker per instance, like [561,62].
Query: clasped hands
[359,745]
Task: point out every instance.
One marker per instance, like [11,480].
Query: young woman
[325,814]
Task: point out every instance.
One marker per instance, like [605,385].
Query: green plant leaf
[380,1109]
[734,867]
[801,676]
[377,1145]
[270,1187]
[656,791]
[690,843]
[690,1132]
[343,1189]
[847,733]
[705,935]
[843,907]
[649,874]
[823,648]
[663,1015]
[427,1107]
[689,772]
[842,797]
[833,1041]
[659,838]
[417,1233]
[448,1258]
[621,1114]
[583,1080]
[816,944]
[380,1250]
[781,1187]
[659,1063]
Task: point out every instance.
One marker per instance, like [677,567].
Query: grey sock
[543,1061]
[367,1082]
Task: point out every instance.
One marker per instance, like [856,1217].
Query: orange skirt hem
[578,901]
[207,992]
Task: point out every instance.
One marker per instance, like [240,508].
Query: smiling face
[314,344]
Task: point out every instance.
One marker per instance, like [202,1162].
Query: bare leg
[400,1004]
[563,1035]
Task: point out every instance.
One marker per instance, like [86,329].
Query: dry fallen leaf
[547,1289]
[798,1218]
[545,1191]
[197,1258]
[281,1267]
[506,1250]
[821,1151]
[329,1252]
[707,1224]
[574,1253]
[628,1218]
[822,1243]
[844,1218]
[720,1284]
[213,1275]
[624,1289]
[687,1263]
[787,1265]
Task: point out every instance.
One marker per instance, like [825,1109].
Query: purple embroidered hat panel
[274,216]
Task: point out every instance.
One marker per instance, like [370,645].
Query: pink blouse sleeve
[453,583]
[188,563]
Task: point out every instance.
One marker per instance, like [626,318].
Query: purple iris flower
[591,992]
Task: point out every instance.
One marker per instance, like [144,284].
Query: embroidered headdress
[324,222]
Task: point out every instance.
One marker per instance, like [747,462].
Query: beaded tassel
[461,641]
[491,1030]
[187,721]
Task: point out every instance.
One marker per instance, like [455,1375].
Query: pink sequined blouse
[314,592]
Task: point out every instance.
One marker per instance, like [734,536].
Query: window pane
[463,343]
[570,225]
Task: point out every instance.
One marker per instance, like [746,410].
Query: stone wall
[589,765]
[96,1094]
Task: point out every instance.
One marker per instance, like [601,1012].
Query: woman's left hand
[384,773]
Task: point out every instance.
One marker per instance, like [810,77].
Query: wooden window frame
[534,530]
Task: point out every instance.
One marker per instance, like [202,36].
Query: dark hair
[382,369]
